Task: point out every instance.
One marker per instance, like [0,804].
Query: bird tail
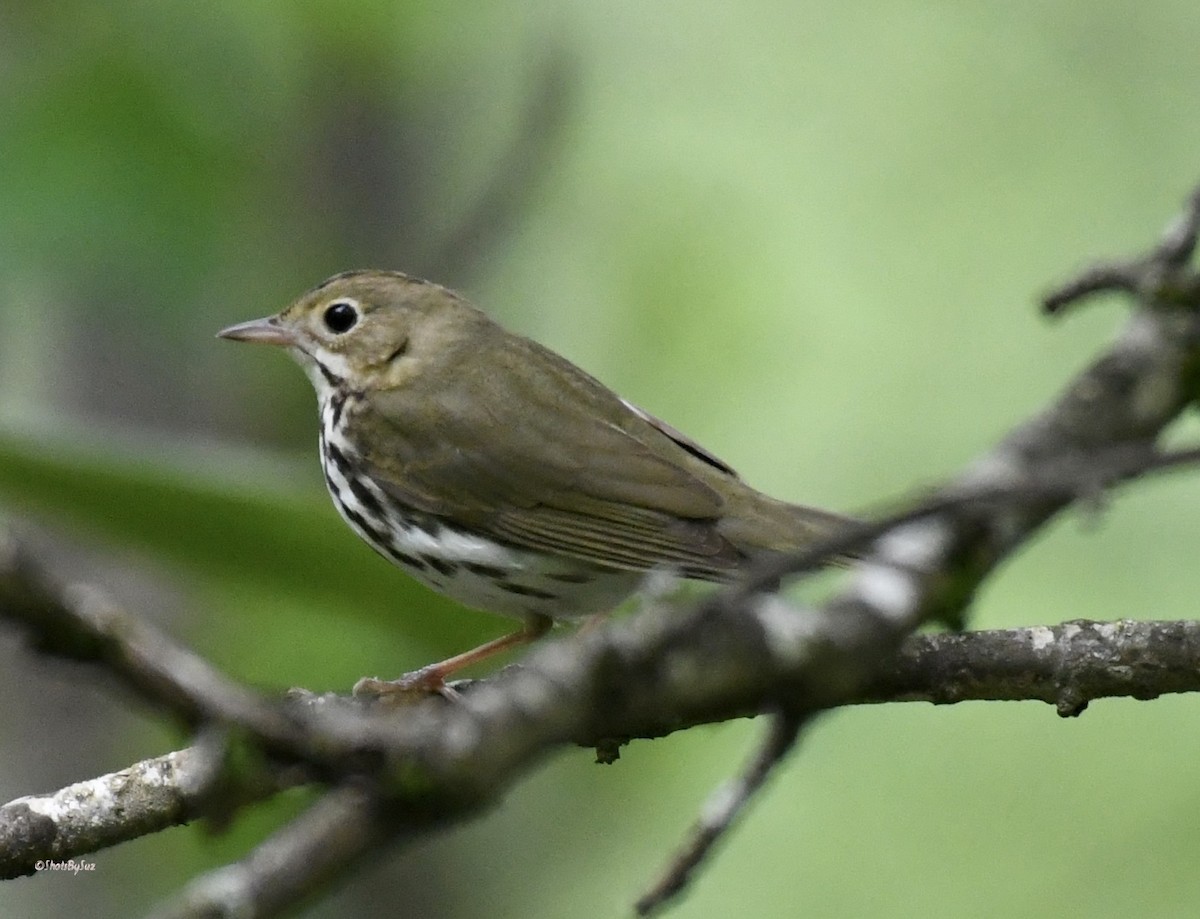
[768,527]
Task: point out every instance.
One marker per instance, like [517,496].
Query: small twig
[1133,276]
[1178,242]
[1105,278]
[720,812]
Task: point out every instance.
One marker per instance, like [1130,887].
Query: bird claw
[413,686]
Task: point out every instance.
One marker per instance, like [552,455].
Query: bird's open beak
[263,331]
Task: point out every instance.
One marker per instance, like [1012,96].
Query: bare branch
[1066,665]
[719,814]
[81,623]
[1143,276]
[146,797]
[81,818]
[743,651]
[297,861]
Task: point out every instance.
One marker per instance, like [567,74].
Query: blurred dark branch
[80,623]
[516,178]
[404,770]
[366,165]
[333,835]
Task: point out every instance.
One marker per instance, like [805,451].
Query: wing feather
[523,446]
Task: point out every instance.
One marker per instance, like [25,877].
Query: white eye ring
[341,315]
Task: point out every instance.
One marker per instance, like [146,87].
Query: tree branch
[742,651]
[725,805]
[147,797]
[1066,665]
[341,828]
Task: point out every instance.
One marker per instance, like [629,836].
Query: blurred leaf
[220,513]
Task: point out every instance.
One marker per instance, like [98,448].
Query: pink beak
[263,331]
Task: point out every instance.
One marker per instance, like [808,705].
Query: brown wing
[521,445]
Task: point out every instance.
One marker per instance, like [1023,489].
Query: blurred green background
[810,235]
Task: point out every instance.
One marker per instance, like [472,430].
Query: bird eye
[340,316]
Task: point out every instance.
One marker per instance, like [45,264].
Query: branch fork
[392,775]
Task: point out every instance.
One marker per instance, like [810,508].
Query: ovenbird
[497,472]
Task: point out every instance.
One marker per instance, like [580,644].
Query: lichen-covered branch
[1067,665]
[147,797]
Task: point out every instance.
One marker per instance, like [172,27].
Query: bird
[496,472]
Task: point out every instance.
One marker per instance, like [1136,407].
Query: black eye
[340,316]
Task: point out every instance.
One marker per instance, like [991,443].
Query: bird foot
[411,687]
